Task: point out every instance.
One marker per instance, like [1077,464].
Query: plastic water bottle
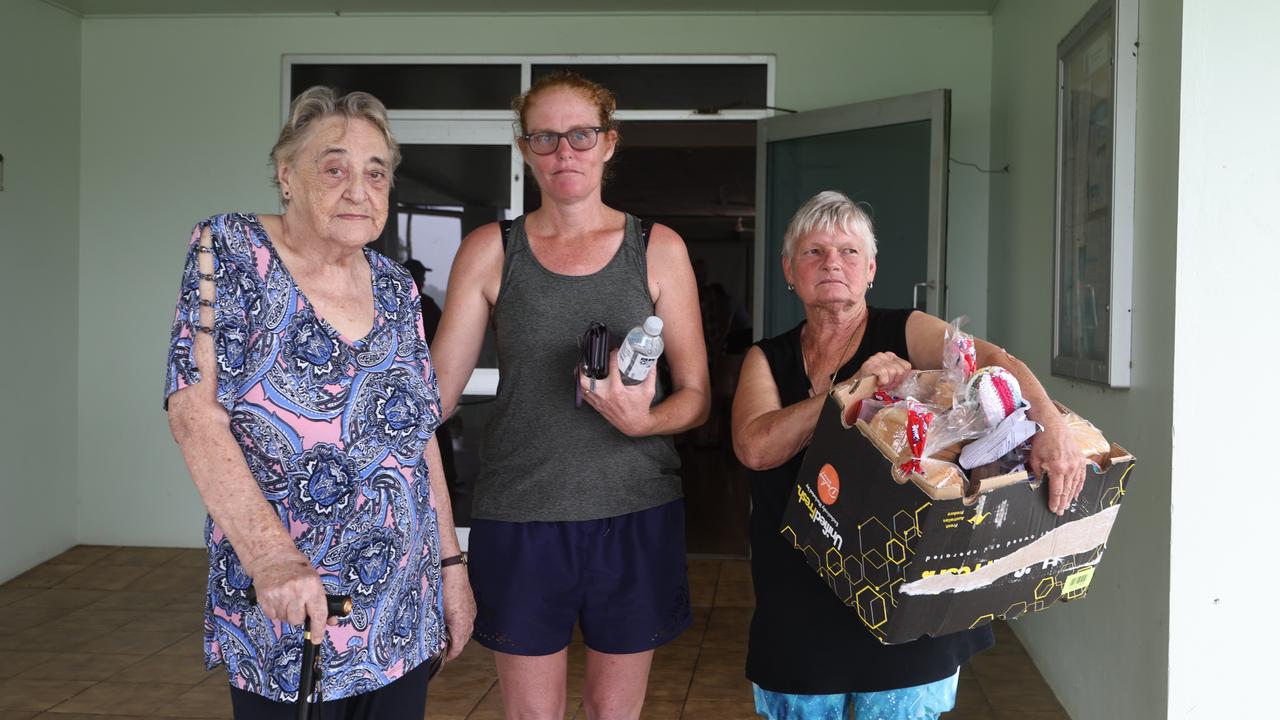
[640,351]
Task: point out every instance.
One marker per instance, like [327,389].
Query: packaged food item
[1092,444]
[959,354]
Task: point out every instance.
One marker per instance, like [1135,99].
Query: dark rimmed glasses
[580,138]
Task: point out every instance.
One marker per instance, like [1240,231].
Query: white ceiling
[102,8]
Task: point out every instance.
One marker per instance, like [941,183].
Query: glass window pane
[665,87]
[418,87]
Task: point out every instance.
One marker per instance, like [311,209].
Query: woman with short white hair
[301,392]
[808,655]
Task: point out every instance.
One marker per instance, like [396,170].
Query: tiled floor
[103,632]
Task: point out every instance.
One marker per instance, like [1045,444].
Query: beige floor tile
[702,592]
[59,635]
[661,709]
[181,580]
[675,657]
[36,695]
[15,715]
[15,663]
[466,680]
[55,715]
[668,684]
[124,698]
[723,658]
[142,556]
[736,570]
[450,705]
[209,699]
[136,600]
[104,577]
[720,710]
[166,669]
[983,713]
[83,555]
[191,645]
[720,685]
[11,594]
[131,643]
[1029,715]
[728,627]
[732,593]
[65,599]
[164,621]
[1004,697]
[1016,670]
[44,576]
[14,618]
[191,557]
[79,666]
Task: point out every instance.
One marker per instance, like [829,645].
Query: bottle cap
[653,325]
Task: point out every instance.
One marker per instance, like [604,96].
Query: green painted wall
[1108,655]
[39,236]
[178,116]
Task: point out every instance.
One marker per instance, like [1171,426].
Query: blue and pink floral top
[333,430]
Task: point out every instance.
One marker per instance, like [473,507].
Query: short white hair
[829,211]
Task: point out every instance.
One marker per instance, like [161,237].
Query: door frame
[933,105]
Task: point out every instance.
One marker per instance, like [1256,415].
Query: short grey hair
[319,102]
[828,211]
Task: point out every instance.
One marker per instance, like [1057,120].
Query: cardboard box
[913,560]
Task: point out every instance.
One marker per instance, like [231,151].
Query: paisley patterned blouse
[334,432]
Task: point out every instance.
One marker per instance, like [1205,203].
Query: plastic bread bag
[957,425]
[935,473]
[1088,438]
[959,354]
[900,429]
[931,387]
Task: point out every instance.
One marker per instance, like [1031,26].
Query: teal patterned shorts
[913,703]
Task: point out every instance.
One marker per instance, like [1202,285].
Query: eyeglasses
[545,143]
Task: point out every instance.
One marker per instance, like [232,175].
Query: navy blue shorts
[624,579]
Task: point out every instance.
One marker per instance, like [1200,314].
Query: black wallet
[593,360]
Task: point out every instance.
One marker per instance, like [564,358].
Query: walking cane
[310,675]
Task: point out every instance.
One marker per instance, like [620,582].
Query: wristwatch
[459,559]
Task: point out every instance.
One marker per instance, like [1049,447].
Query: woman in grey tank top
[578,515]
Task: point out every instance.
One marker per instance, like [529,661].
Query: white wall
[39,235]
[1105,657]
[179,116]
[1223,583]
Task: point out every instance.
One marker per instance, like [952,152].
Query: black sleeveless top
[803,639]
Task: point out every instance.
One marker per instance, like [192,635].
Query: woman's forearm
[775,437]
[1042,408]
[227,487]
[684,409]
[440,494]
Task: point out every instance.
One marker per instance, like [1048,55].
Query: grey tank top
[543,459]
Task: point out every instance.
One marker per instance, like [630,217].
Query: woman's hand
[289,590]
[626,407]
[1054,451]
[459,608]
[888,369]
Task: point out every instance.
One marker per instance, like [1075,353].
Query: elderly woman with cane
[303,397]
[829,260]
